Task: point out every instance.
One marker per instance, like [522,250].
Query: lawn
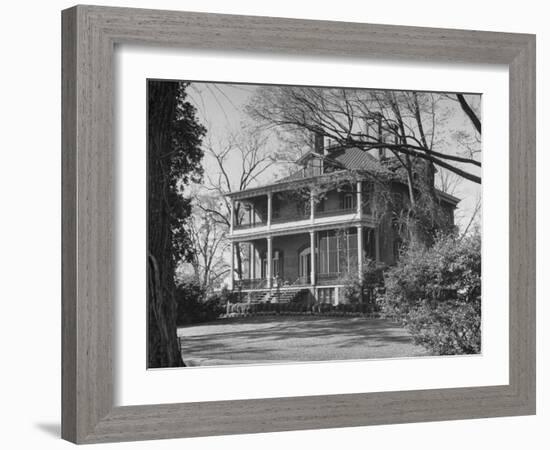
[294,338]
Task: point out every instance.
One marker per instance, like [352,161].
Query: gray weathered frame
[89,36]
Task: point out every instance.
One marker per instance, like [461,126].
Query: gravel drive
[257,340]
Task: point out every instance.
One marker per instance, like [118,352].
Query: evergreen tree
[174,156]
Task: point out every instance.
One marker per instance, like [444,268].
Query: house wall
[292,245]
[257,211]
[295,205]
[332,200]
[291,205]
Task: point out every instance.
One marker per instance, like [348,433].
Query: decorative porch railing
[288,218]
[244,226]
[335,212]
[252,283]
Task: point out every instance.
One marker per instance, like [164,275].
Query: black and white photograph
[299,224]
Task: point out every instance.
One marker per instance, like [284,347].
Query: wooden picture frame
[89,37]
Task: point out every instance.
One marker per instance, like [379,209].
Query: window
[337,251]
[348,201]
[325,295]
[276,264]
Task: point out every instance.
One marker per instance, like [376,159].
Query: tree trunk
[163,348]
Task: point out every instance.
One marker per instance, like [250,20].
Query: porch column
[312,253]
[231,273]
[250,260]
[232,215]
[377,243]
[269,260]
[311,207]
[360,250]
[269,208]
[359,199]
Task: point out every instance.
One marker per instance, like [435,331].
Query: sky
[221,109]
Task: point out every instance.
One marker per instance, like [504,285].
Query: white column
[252,260]
[312,253]
[231,273]
[377,243]
[360,250]
[311,207]
[269,209]
[359,199]
[232,215]
[269,257]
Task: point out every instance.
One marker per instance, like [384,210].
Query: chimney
[381,150]
[318,143]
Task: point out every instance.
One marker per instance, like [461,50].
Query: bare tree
[470,112]
[360,118]
[208,239]
[447,182]
[237,164]
[403,123]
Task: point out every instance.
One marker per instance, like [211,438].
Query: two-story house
[314,228]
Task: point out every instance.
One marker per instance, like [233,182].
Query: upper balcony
[276,211]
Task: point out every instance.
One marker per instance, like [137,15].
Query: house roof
[350,158]
[344,158]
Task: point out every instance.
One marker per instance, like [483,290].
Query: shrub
[194,306]
[436,293]
[361,290]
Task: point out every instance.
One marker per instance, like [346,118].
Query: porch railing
[244,226]
[251,283]
[334,212]
[289,218]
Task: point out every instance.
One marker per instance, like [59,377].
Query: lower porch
[321,261]
[329,294]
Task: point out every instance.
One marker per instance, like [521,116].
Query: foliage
[185,168]
[436,293]
[297,308]
[194,306]
[362,289]
[174,157]
[226,296]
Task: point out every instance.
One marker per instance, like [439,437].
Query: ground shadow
[53,429]
[297,338]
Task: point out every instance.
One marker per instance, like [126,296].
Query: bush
[436,293]
[194,306]
[362,290]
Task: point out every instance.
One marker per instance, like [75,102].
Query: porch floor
[257,340]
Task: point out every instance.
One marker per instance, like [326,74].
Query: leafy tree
[174,160]
[436,293]
[194,305]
